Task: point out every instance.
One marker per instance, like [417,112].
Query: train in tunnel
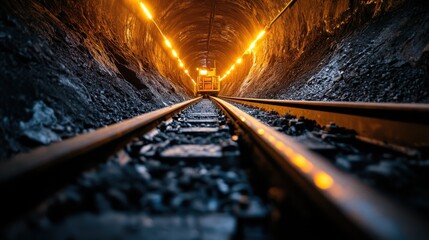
[208,82]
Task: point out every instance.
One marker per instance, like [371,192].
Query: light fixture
[261,34]
[146,11]
[249,50]
[252,46]
[168,43]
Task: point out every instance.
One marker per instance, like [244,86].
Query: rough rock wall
[117,32]
[317,42]
[70,66]
[385,61]
[66,66]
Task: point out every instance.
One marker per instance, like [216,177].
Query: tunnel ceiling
[210,30]
[92,60]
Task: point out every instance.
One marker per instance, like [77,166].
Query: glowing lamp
[146,11]
[252,46]
[261,34]
[168,43]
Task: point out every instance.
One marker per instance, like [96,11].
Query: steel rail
[395,125]
[348,202]
[27,178]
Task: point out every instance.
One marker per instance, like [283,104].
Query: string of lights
[166,41]
[248,51]
[253,44]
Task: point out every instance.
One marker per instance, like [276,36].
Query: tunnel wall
[297,41]
[87,64]
[119,25]
[70,66]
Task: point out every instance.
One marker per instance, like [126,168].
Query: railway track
[45,169]
[304,188]
[388,124]
[373,142]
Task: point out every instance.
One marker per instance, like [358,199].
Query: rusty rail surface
[395,125]
[28,178]
[348,202]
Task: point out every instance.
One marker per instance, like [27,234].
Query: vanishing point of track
[344,199]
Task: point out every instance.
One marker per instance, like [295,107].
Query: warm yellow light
[232,67]
[252,46]
[168,43]
[323,181]
[203,72]
[243,119]
[289,152]
[146,11]
[280,145]
[302,163]
[261,34]
[261,131]
[239,60]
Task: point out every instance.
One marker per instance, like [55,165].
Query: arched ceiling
[204,31]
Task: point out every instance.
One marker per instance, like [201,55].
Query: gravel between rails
[402,177]
[161,176]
